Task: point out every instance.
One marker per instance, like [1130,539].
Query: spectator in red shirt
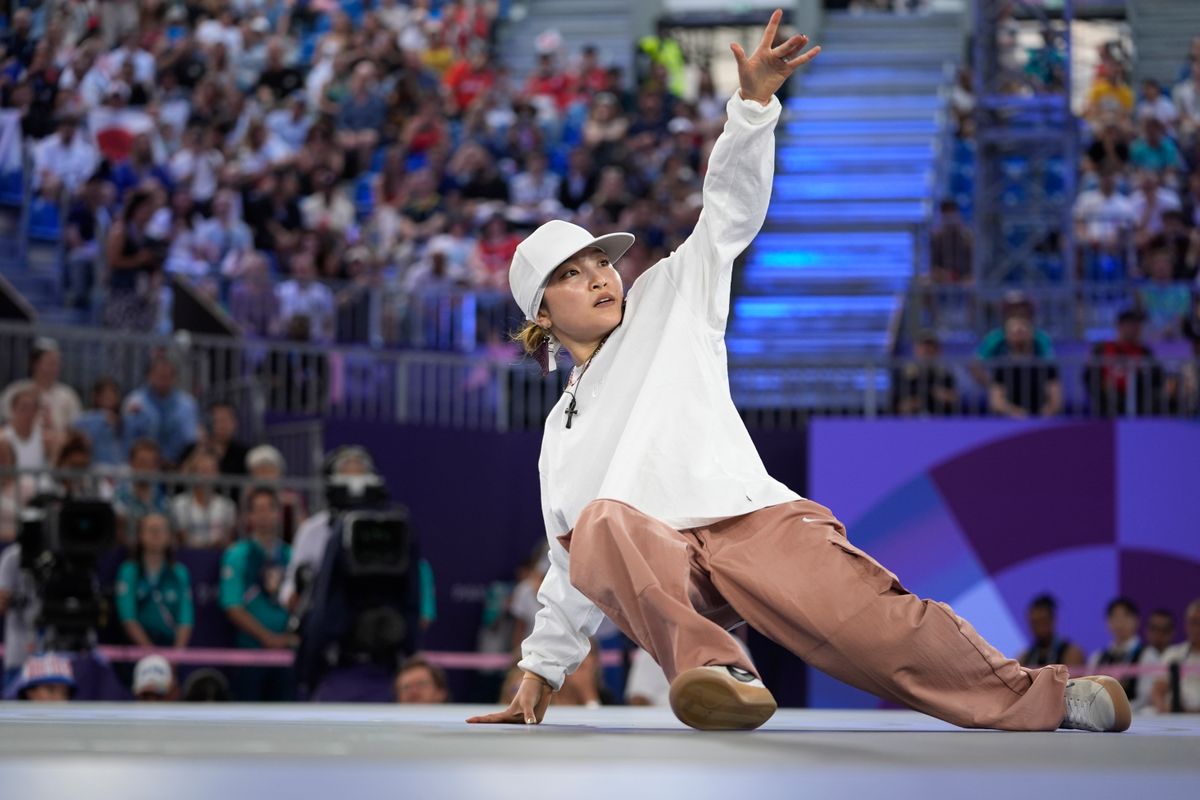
[1123,366]
[494,252]
[548,87]
[470,77]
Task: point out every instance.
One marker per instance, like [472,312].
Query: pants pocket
[871,570]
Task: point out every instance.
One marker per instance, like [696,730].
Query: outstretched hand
[528,706]
[764,71]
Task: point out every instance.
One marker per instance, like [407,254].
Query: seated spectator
[15,491]
[160,411]
[251,572]
[63,160]
[33,440]
[418,681]
[46,678]
[1155,105]
[139,168]
[88,218]
[361,115]
[1110,98]
[1155,151]
[134,263]
[1047,646]
[327,210]
[1103,216]
[534,191]
[141,494]
[206,685]
[1149,203]
[1123,620]
[1109,151]
[1176,692]
[1163,302]
[103,425]
[1023,384]
[224,236]
[924,386]
[493,253]
[203,517]
[950,246]
[154,680]
[1187,102]
[20,607]
[253,302]
[266,466]
[1160,630]
[303,295]
[153,590]
[1123,366]
[57,402]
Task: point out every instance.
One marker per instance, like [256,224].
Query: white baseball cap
[543,250]
[153,674]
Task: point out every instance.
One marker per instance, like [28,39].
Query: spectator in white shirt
[534,192]
[1154,104]
[303,295]
[1148,203]
[203,517]
[1103,215]
[34,443]
[64,159]
[327,210]
[56,399]
[1187,104]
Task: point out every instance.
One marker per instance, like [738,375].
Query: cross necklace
[573,386]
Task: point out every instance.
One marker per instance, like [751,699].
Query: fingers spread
[772,28]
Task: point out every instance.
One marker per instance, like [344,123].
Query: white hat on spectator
[153,674]
[264,454]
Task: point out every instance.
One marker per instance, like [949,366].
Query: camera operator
[313,536]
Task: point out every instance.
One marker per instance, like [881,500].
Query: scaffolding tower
[1026,144]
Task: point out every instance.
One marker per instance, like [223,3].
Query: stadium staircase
[1162,32]
[610,25]
[857,150]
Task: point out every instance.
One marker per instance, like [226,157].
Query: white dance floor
[286,752]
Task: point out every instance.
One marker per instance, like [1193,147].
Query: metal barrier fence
[1083,311]
[204,511]
[499,391]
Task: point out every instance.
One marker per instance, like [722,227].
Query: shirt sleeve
[126,591]
[560,640]
[232,589]
[187,611]
[737,192]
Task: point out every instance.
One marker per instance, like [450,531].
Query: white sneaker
[1097,703]
[721,699]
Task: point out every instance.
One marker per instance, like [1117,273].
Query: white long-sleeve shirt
[656,426]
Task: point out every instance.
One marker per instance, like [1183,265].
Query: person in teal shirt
[154,592]
[251,572]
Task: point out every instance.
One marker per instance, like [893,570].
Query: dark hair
[418,662]
[258,491]
[1046,602]
[76,442]
[139,553]
[1122,602]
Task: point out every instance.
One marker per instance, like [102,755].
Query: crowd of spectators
[307,159]
[1157,643]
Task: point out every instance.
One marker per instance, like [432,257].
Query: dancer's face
[583,300]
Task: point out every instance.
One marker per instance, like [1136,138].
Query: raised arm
[741,167]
